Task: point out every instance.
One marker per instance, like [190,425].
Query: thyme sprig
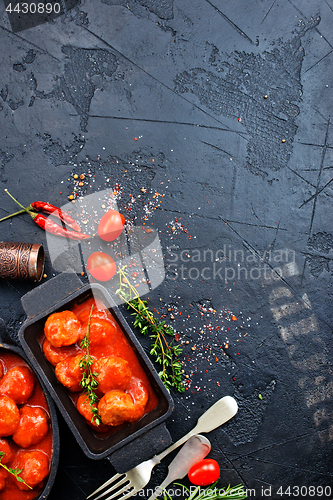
[89,382]
[14,472]
[166,353]
[212,492]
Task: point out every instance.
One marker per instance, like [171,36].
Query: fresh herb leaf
[14,472]
[212,492]
[165,353]
[89,380]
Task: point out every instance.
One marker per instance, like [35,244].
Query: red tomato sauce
[37,399]
[114,344]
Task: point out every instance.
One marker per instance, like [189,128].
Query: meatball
[113,373]
[33,426]
[116,407]
[9,416]
[101,331]
[83,316]
[83,407]
[7,450]
[69,373]
[18,384]
[56,354]
[3,477]
[62,329]
[82,311]
[35,467]
[139,394]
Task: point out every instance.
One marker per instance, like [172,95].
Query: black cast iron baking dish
[6,344]
[136,441]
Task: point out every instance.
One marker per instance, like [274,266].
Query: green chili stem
[12,197]
[12,215]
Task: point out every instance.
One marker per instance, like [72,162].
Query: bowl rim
[53,416]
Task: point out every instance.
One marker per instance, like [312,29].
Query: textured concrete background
[222,112]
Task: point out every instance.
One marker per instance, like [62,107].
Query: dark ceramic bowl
[94,446]
[7,345]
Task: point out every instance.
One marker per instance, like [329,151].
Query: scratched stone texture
[214,121]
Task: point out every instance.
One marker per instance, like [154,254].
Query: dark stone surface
[213,123]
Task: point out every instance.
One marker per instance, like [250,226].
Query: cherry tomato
[101,266]
[111,225]
[204,472]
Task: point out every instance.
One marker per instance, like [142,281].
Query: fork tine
[132,492]
[110,481]
[116,493]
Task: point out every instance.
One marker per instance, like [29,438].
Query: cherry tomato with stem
[204,472]
[101,266]
[111,225]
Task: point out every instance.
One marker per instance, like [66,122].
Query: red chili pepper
[49,225]
[41,206]
[54,228]
[47,208]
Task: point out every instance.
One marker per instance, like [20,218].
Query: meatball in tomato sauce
[83,311]
[62,328]
[112,373]
[56,354]
[101,331]
[18,384]
[139,394]
[69,372]
[35,467]
[117,407]
[83,406]
[33,426]
[6,449]
[3,477]
[9,416]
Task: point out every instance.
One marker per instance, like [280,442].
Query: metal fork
[137,478]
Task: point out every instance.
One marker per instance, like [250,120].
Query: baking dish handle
[45,296]
[142,448]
